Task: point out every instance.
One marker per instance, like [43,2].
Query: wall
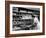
[2,19]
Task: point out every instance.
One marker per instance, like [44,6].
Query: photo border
[25,31]
[7,18]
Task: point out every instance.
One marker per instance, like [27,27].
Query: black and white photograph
[26,18]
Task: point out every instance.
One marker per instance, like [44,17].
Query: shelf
[22,13]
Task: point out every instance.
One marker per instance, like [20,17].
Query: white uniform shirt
[35,20]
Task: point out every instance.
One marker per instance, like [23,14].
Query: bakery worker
[36,22]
